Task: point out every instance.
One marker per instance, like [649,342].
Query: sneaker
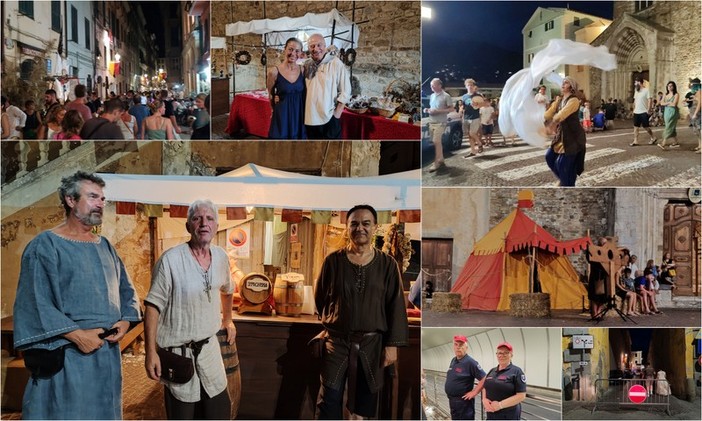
[435,167]
[653,141]
[674,145]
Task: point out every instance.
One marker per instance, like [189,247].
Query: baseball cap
[460,338]
[506,345]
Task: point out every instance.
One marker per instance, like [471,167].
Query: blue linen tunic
[66,285]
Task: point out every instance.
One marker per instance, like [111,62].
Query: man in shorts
[472,101]
[643,107]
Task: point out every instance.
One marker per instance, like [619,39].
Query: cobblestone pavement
[142,398]
[609,162]
[559,318]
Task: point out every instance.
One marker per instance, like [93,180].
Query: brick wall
[565,213]
[389,45]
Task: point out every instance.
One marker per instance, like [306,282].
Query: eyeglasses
[501,353]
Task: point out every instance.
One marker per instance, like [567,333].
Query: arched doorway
[681,232]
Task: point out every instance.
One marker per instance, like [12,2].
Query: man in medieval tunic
[74,303]
[360,301]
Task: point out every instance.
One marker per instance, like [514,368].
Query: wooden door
[436,262]
[681,232]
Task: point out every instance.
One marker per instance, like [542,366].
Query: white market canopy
[276,31]
[253,185]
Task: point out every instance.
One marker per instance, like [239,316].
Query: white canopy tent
[253,185]
[276,31]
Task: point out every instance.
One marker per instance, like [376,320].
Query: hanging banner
[238,241]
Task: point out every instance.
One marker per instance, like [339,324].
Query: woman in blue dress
[286,90]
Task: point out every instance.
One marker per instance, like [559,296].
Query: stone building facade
[388,49]
[659,40]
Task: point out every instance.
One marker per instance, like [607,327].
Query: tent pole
[533,266]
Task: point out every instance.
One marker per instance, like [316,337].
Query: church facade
[658,40]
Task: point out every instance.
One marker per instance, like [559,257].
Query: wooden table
[280,378]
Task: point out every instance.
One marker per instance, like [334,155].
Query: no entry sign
[637,393]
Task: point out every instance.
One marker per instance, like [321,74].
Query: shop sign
[583,342]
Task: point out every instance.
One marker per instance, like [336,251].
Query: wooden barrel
[289,295]
[255,288]
[231,366]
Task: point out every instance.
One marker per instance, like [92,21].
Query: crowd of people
[637,287]
[88,117]
[568,117]
[308,95]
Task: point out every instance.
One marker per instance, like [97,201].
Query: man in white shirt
[439,107]
[17,119]
[328,90]
[643,107]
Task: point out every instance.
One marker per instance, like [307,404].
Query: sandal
[653,141]
[662,147]
[633,144]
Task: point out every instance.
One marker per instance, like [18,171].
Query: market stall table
[280,378]
[251,113]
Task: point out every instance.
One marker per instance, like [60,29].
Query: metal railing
[540,403]
[615,393]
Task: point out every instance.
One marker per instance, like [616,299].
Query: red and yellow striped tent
[498,266]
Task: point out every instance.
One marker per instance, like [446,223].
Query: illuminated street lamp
[426,12]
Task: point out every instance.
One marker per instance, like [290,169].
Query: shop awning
[276,31]
[253,185]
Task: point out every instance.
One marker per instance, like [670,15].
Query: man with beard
[328,90]
[643,107]
[360,301]
[74,303]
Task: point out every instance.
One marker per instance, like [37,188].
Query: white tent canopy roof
[252,185]
[276,31]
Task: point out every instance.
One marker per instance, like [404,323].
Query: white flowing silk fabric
[519,113]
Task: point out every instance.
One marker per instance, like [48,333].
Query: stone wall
[684,19]
[389,46]
[565,213]
[456,213]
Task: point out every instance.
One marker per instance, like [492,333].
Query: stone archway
[639,46]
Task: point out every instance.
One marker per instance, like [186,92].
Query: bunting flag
[384,217]
[155,211]
[126,208]
[321,217]
[409,216]
[236,213]
[113,67]
[263,214]
[291,215]
[342,217]
[177,211]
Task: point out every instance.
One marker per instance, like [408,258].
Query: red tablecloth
[252,114]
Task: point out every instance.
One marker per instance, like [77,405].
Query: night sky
[478,38]
[154,21]
[641,340]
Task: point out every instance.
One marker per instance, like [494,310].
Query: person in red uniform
[505,387]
